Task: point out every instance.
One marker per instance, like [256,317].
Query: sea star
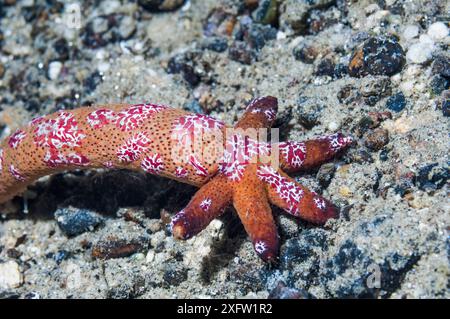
[235,166]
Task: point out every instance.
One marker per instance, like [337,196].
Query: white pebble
[407,87]
[438,31]
[333,126]
[150,256]
[426,39]
[281,35]
[420,52]
[420,87]
[410,32]
[103,67]
[10,276]
[54,69]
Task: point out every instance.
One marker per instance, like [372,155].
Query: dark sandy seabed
[378,70]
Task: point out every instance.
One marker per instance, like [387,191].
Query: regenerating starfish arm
[176,144]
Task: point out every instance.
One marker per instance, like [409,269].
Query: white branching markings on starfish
[337,141]
[176,218]
[293,152]
[61,132]
[319,202]
[260,247]
[253,102]
[135,115]
[54,158]
[191,134]
[198,167]
[288,191]
[108,164]
[15,139]
[181,172]
[101,117]
[152,164]
[240,150]
[16,173]
[133,148]
[205,204]
[35,121]
[270,114]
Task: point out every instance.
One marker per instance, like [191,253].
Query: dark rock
[281,291]
[61,47]
[60,256]
[91,82]
[396,102]
[2,70]
[20,240]
[258,35]
[309,111]
[364,124]
[377,56]
[376,139]
[325,68]
[251,4]
[174,276]
[358,156]
[219,22]
[217,44]
[396,8]
[446,107]
[303,247]
[319,20]
[68,102]
[384,155]
[304,53]
[325,174]
[267,12]
[295,14]
[254,34]
[348,94]
[77,221]
[364,277]
[111,28]
[32,105]
[13,253]
[441,66]
[432,177]
[30,13]
[404,184]
[93,33]
[32,295]
[5,294]
[340,70]
[161,5]
[373,90]
[438,84]
[190,66]
[114,247]
[348,255]
[241,52]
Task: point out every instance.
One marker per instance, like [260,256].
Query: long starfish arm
[207,204]
[297,156]
[294,198]
[252,206]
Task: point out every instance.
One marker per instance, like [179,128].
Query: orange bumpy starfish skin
[230,168]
